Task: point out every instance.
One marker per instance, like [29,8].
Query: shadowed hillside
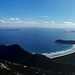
[67,59]
[16,54]
[13,53]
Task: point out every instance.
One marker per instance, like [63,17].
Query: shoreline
[61,55]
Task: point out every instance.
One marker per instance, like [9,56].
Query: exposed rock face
[3,66]
[65,41]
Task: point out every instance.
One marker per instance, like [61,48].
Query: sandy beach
[60,53]
[72,50]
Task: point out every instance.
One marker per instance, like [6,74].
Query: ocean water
[39,40]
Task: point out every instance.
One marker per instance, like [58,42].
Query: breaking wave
[60,53]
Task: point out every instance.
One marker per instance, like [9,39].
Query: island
[9,29]
[69,31]
[65,41]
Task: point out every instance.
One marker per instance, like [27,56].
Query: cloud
[32,22]
[69,23]
[44,16]
[45,21]
[11,19]
[52,22]
[17,21]
[17,18]
[2,21]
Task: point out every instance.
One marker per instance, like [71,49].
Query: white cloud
[69,23]
[17,21]
[44,16]
[32,22]
[52,22]
[2,21]
[45,21]
[17,18]
[11,19]
[29,22]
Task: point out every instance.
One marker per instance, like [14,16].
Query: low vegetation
[14,60]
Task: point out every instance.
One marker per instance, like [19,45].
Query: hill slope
[67,59]
[8,68]
[15,53]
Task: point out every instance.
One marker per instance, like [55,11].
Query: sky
[37,13]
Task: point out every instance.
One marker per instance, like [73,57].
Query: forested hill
[34,62]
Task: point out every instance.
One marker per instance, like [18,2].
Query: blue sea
[39,40]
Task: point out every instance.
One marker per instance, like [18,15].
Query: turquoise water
[37,40]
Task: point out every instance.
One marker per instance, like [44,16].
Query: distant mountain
[16,54]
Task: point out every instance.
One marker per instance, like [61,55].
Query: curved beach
[60,53]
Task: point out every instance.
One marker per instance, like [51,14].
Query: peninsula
[65,41]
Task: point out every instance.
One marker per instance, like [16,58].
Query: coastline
[60,53]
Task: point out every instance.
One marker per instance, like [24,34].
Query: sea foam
[60,53]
